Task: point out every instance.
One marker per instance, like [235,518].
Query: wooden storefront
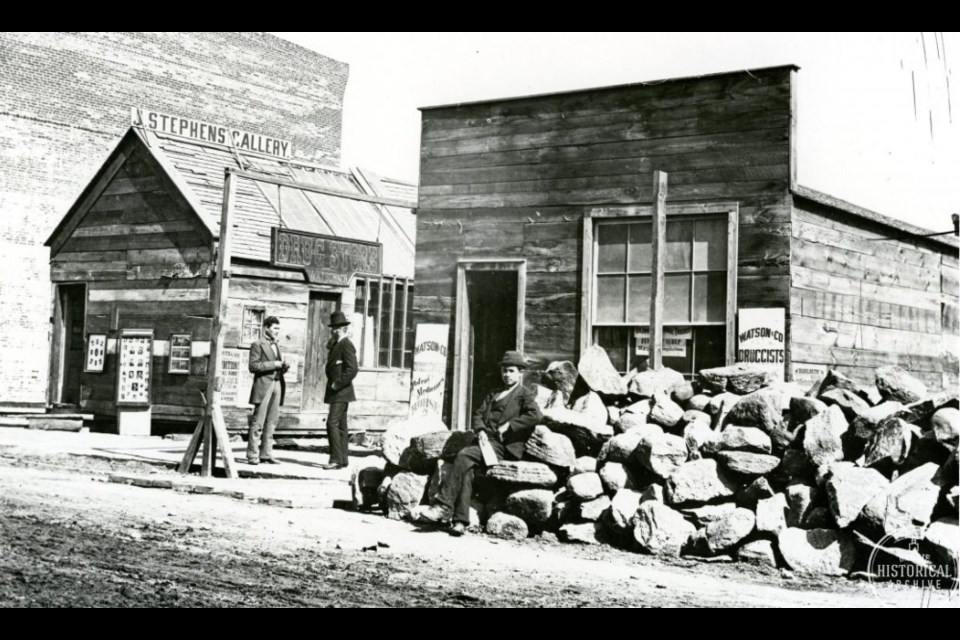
[534,226]
[137,251]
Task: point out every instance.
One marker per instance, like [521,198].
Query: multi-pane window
[252,322]
[386,329]
[695,291]
[179,353]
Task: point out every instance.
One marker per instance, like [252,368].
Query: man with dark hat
[341,370]
[507,417]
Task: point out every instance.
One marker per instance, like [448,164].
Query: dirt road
[68,538]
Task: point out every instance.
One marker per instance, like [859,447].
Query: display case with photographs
[96,353]
[134,358]
[179,353]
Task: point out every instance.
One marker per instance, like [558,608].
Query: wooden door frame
[462,353]
[57,341]
[337,293]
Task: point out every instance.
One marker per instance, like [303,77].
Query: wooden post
[659,236]
[212,427]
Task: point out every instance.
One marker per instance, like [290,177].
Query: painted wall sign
[209,132]
[674,341]
[326,259]
[761,339]
[429,370]
[135,365]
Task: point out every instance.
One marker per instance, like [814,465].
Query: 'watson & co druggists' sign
[326,259]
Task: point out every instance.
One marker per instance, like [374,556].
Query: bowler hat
[337,319]
[513,359]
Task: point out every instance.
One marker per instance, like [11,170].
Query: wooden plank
[88,256]
[949,281]
[733,257]
[87,271]
[862,266]
[836,306]
[148,295]
[658,237]
[815,280]
[142,241]
[182,270]
[803,352]
[762,290]
[847,335]
[249,289]
[168,256]
[267,273]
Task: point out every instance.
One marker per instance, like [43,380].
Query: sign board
[761,339]
[807,375]
[96,352]
[135,360]
[326,259]
[429,370]
[675,341]
[209,132]
[236,377]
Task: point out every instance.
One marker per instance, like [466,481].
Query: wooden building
[132,260]
[533,231]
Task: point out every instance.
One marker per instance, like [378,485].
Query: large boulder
[836,380]
[802,409]
[623,507]
[533,506]
[398,435]
[587,433]
[897,384]
[504,525]
[692,416]
[698,402]
[849,489]
[700,439]
[772,514]
[599,374]
[698,482]
[911,499]
[621,447]
[615,476]
[851,403]
[943,536]
[745,439]
[364,484]
[650,383]
[585,486]
[682,394]
[758,552]
[653,492]
[728,531]
[592,509]
[553,448]
[890,442]
[583,533]
[738,378]
[660,530]
[801,501]
[662,455]
[822,439]
[750,495]
[758,409]
[717,402]
[534,474]
[818,552]
[748,464]
[561,376]
[665,412]
[945,424]
[584,464]
[870,394]
[864,425]
[426,449]
[795,467]
[406,491]
[707,514]
[548,398]
[591,406]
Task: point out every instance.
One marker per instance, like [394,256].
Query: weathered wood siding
[863,296]
[146,261]
[513,178]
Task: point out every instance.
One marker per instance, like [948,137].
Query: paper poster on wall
[293,360]
[429,370]
[96,352]
[135,359]
[674,341]
[236,376]
[807,375]
[761,339]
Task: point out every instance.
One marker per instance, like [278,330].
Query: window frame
[396,314]
[170,368]
[243,322]
[628,214]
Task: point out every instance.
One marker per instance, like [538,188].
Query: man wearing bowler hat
[341,370]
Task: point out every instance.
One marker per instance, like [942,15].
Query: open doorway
[68,343]
[490,307]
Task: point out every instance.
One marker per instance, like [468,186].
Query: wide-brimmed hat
[338,319]
[513,359]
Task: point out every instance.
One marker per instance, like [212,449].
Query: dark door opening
[69,342]
[315,359]
[492,297]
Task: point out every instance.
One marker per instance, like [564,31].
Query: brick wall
[65,101]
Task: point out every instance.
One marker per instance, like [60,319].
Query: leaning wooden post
[659,236]
[212,429]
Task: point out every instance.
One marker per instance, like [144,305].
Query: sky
[878,114]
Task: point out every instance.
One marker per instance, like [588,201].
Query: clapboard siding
[862,296]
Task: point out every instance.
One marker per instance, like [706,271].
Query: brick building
[66,103]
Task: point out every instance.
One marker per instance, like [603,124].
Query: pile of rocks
[732,464]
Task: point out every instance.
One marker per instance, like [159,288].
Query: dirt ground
[68,538]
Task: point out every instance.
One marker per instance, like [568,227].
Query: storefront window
[252,321]
[386,333]
[695,291]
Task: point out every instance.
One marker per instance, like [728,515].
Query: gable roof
[197,169]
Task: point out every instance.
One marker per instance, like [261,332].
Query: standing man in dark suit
[267,366]
[508,417]
[341,370]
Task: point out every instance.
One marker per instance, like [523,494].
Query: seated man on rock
[507,416]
